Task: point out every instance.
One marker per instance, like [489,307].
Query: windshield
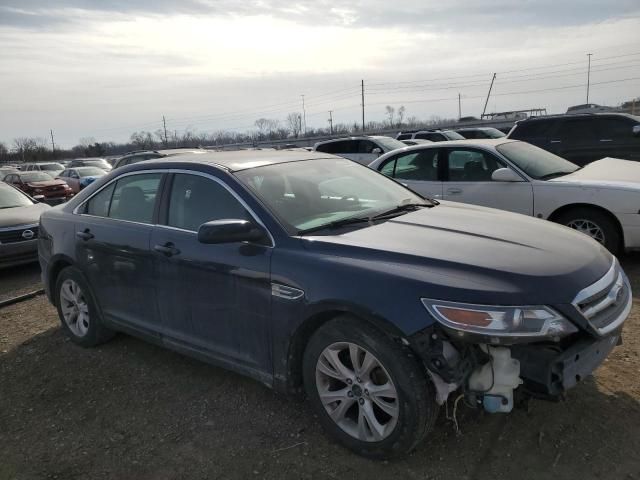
[34,177]
[390,143]
[451,135]
[97,163]
[10,198]
[493,133]
[534,161]
[55,167]
[310,194]
[90,171]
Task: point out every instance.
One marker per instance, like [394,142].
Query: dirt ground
[129,410]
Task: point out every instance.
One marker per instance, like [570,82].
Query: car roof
[359,137]
[232,161]
[580,115]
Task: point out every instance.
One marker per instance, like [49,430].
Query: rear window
[343,146]
[537,128]
[404,136]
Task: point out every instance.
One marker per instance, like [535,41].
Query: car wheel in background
[596,224]
[77,309]
[369,392]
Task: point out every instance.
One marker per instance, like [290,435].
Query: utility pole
[164,124]
[588,74]
[488,95]
[175,137]
[304,116]
[362,85]
[459,108]
[53,144]
[331,122]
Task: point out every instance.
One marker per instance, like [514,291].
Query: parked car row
[328,278]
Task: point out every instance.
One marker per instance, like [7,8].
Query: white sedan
[601,199]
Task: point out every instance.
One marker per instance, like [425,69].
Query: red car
[39,184]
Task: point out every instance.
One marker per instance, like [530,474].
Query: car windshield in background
[90,171]
[11,198]
[34,177]
[451,135]
[390,143]
[97,163]
[310,194]
[494,133]
[55,167]
[536,162]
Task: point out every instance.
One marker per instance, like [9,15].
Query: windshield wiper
[336,224]
[400,209]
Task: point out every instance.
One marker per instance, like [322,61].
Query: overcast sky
[105,69]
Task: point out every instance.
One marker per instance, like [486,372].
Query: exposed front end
[490,352]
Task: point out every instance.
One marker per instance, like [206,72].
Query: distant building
[589,108]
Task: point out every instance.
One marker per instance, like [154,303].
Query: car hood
[473,254]
[611,172]
[45,183]
[29,215]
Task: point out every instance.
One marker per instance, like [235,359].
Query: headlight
[500,322]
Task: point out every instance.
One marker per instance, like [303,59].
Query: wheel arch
[305,330]
[56,265]
[571,206]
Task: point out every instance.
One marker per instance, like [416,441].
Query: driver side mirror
[636,130]
[229,231]
[505,175]
[377,151]
[38,198]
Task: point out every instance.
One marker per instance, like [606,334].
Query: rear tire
[594,223]
[77,309]
[380,408]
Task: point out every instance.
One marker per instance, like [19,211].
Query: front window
[467,165]
[196,200]
[34,177]
[536,162]
[10,198]
[313,193]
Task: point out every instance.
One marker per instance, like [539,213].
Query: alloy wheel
[588,228]
[75,309]
[357,392]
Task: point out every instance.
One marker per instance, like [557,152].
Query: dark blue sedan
[315,274]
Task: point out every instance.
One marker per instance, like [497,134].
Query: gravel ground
[18,280]
[132,410]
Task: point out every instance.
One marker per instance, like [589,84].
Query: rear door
[577,140]
[616,138]
[468,180]
[213,299]
[112,245]
[420,170]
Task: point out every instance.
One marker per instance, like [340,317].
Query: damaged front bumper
[488,368]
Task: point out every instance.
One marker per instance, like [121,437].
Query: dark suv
[583,138]
[311,272]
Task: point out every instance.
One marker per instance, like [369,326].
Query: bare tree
[294,122]
[390,114]
[401,111]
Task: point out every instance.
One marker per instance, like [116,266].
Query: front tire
[596,224]
[369,392]
[78,310]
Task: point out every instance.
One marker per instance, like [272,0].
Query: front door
[469,181]
[112,243]
[418,169]
[213,299]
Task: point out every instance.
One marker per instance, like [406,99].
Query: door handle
[555,141]
[606,140]
[86,235]
[454,191]
[168,249]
